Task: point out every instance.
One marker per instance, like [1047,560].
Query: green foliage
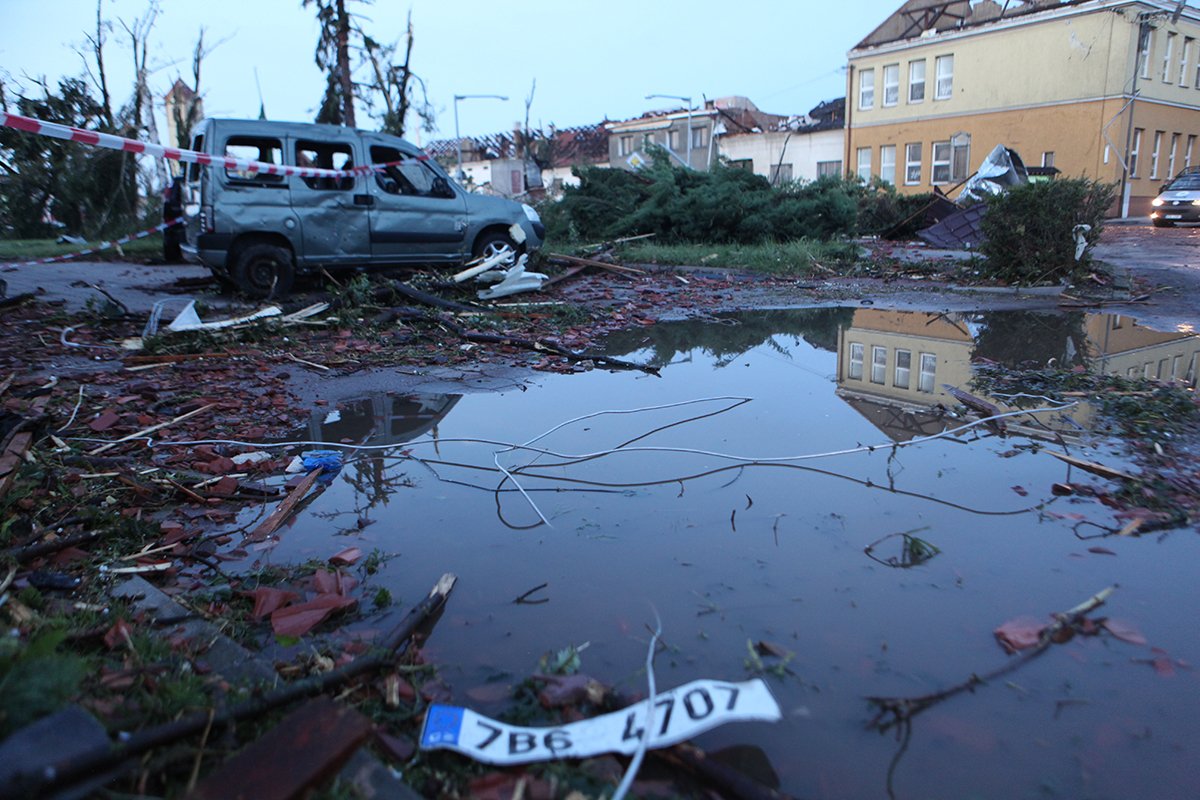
[725,205]
[883,211]
[92,191]
[37,681]
[796,257]
[1029,229]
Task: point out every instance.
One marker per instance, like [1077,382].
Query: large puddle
[684,496]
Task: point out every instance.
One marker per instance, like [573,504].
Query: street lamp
[457,137]
[687,100]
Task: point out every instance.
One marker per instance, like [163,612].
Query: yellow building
[1098,88]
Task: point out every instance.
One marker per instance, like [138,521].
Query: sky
[591,60]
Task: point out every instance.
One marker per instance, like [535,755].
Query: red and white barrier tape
[100,247]
[57,130]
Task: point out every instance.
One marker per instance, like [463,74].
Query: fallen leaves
[1019,634]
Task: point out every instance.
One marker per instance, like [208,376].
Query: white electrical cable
[636,763]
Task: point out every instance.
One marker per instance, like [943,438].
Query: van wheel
[493,244]
[1163,223]
[264,270]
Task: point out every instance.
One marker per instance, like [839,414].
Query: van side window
[194,168]
[412,177]
[325,155]
[254,148]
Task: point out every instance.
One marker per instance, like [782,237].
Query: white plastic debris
[515,280]
[1080,233]
[517,233]
[332,416]
[189,320]
[257,457]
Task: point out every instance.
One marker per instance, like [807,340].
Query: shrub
[724,206]
[883,211]
[1029,230]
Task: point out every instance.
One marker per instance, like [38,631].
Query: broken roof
[558,147]
[917,17]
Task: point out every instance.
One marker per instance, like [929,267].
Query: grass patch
[799,257]
[27,249]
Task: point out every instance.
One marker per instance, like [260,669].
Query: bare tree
[95,72]
[395,85]
[142,105]
[333,56]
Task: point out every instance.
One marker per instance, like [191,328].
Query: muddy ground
[68,369]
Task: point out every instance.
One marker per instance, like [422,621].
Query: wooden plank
[281,513]
[309,746]
[598,264]
[1093,467]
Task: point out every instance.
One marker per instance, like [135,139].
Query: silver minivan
[259,231]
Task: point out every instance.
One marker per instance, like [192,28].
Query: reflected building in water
[893,365]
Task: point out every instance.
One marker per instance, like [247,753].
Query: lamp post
[687,100]
[457,137]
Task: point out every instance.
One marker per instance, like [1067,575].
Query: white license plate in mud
[679,715]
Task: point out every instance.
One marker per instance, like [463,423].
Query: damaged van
[260,231]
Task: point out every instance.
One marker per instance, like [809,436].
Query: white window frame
[1048,158]
[1184,57]
[863,164]
[912,178]
[903,374]
[946,163]
[891,85]
[879,365]
[943,77]
[1135,151]
[926,382]
[887,164]
[1158,137]
[675,138]
[866,89]
[960,156]
[916,84]
[1168,57]
[1144,55]
[829,169]
[1171,155]
[1190,145]
[699,137]
[857,352]
[625,145]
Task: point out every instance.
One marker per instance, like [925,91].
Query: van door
[332,212]
[418,214]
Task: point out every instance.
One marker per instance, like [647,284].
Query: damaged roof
[916,17]
[558,147]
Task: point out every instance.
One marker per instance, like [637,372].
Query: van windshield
[1188,183]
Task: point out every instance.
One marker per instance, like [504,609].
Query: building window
[878,364]
[866,89]
[1187,153]
[1048,158]
[780,174]
[1168,54]
[1135,151]
[1184,56]
[864,163]
[912,163]
[1171,155]
[891,84]
[960,156]
[699,137]
[903,368]
[856,361]
[928,373]
[826,169]
[944,71]
[1158,137]
[887,163]
[941,163]
[675,139]
[624,145]
[1144,55]
[916,81]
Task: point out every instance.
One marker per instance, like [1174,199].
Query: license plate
[1174,216]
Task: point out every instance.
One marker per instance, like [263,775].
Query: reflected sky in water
[730,552]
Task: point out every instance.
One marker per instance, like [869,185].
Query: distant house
[184,108]
[1104,88]
[803,147]
[519,163]
[689,136]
